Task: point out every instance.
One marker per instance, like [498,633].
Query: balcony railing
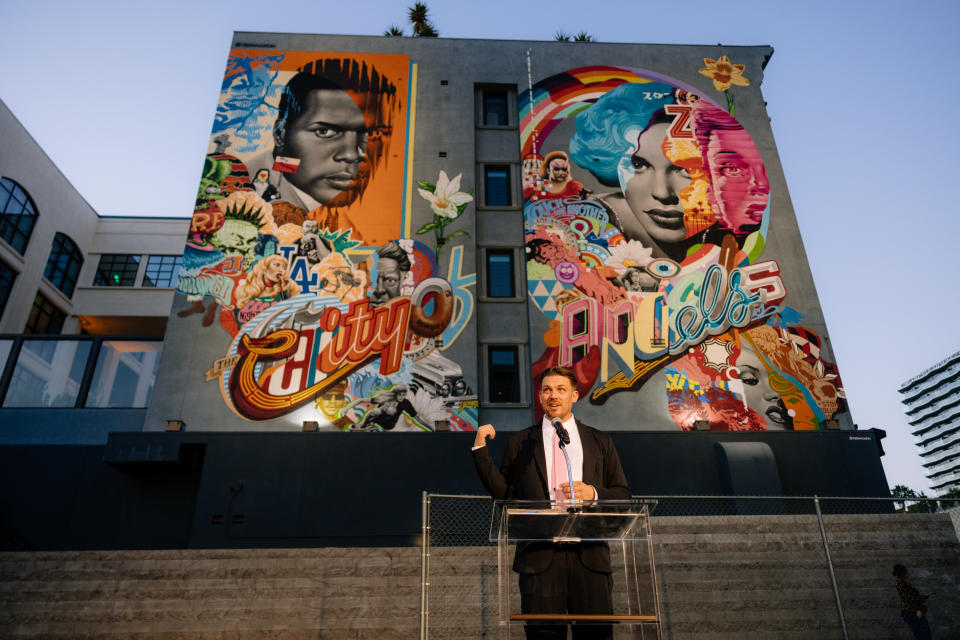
[51,371]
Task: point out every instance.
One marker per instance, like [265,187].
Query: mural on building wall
[300,256]
[646,209]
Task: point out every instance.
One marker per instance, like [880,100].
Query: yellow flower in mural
[724,73]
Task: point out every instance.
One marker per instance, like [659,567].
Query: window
[7,276]
[161,271]
[503,374]
[63,265]
[494,107]
[496,186]
[17,215]
[500,280]
[116,270]
[45,317]
[48,373]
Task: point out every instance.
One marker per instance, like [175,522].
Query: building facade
[932,401]
[393,237]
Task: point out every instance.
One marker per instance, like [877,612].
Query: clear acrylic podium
[623,524]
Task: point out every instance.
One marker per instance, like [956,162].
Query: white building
[932,399]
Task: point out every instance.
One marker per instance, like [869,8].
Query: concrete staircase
[280,594]
[767,577]
[720,577]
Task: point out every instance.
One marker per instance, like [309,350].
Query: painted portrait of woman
[268,280]
[677,186]
[623,140]
[739,188]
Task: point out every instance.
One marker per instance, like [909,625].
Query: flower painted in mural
[628,254]
[724,75]
[447,202]
[445,197]
[629,260]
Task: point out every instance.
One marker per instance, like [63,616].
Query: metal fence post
[833,577]
[424,561]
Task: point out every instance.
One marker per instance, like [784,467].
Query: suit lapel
[540,459]
[591,455]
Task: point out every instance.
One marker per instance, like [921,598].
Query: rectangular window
[117,270]
[45,317]
[496,186]
[503,374]
[494,108]
[124,374]
[7,276]
[48,373]
[500,273]
[161,271]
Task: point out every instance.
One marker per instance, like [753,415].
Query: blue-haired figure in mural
[621,141]
[329,136]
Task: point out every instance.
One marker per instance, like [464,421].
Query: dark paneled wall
[176,490]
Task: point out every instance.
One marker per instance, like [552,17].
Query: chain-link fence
[732,566]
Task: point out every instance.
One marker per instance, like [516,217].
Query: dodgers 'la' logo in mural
[646,208]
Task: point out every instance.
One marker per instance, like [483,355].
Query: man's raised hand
[484,432]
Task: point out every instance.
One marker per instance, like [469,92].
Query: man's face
[330,139]
[557,395]
[332,400]
[559,169]
[309,226]
[389,279]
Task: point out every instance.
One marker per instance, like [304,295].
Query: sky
[121,96]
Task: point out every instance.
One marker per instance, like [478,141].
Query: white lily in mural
[447,202]
[446,197]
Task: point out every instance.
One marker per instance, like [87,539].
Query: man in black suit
[558,577]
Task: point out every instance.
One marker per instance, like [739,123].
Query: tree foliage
[419,17]
[563,36]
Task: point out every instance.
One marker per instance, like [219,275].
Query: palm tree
[905,493]
[394,30]
[563,36]
[419,18]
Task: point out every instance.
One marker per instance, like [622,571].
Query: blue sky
[861,94]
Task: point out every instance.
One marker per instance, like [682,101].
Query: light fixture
[310,425]
[701,425]
[175,425]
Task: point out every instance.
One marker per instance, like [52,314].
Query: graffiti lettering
[349,342]
[692,323]
[463,298]
[363,331]
[681,124]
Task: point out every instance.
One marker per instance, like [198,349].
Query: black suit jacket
[523,476]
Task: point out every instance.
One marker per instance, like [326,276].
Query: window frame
[16,229]
[511,185]
[516,283]
[6,270]
[64,277]
[510,94]
[523,375]
[172,282]
[99,275]
[38,300]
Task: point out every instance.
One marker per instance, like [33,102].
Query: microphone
[561,432]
